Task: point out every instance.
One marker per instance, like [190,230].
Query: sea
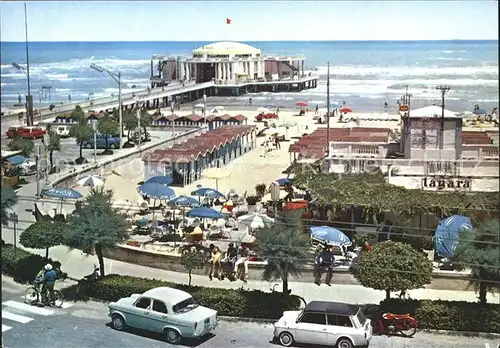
[363,74]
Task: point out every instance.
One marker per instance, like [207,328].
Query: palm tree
[98,226]
[479,250]
[81,131]
[54,145]
[26,146]
[9,200]
[285,247]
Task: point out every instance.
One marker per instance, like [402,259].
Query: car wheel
[22,172]
[88,145]
[112,146]
[118,322]
[172,336]
[286,339]
[344,343]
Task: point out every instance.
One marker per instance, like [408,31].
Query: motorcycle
[390,323]
[84,283]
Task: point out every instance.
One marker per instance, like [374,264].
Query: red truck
[34,132]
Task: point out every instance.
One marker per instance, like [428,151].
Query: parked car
[28,167]
[113,142]
[12,132]
[144,137]
[332,324]
[63,131]
[33,132]
[165,310]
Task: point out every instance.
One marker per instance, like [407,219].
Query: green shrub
[448,315]
[417,242]
[23,266]
[227,302]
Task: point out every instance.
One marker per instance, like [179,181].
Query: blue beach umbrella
[162,180]
[330,235]
[283,181]
[16,160]
[156,191]
[480,112]
[183,202]
[203,212]
[447,233]
[61,193]
[207,192]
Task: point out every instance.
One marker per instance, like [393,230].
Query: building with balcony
[233,64]
[430,152]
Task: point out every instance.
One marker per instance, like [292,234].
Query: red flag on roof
[228,20]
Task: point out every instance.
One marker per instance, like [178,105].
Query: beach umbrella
[184,202]
[284,181]
[287,124]
[61,193]
[216,174]
[160,179]
[16,160]
[345,110]
[255,220]
[302,104]
[263,110]
[91,180]
[447,233]
[480,112]
[199,106]
[156,191]
[207,192]
[330,235]
[205,213]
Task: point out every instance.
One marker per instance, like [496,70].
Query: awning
[16,160]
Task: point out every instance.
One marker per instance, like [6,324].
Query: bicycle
[85,282]
[33,296]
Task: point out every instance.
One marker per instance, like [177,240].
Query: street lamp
[138,123]
[205,107]
[29,99]
[94,128]
[117,77]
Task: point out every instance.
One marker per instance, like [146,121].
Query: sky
[251,20]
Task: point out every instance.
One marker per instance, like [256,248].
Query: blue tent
[156,191]
[447,233]
[330,235]
[207,192]
[162,180]
[16,160]
[283,181]
[184,201]
[203,212]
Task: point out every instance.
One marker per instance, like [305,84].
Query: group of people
[232,259]
[47,279]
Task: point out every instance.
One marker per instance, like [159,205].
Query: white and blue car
[164,310]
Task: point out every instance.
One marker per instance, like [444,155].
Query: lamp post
[29,99]
[94,128]
[173,121]
[138,123]
[205,108]
[15,220]
[117,77]
[38,151]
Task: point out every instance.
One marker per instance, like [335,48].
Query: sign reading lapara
[446,184]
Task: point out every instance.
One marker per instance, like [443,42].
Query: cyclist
[48,281]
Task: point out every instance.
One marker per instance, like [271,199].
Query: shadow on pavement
[70,294]
[185,342]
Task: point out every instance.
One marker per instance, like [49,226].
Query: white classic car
[163,310]
[330,324]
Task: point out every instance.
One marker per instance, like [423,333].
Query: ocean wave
[400,71]
[57,76]
[450,51]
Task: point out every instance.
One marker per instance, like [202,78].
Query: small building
[194,120]
[185,162]
[90,116]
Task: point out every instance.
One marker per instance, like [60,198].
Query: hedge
[448,315]
[227,302]
[23,266]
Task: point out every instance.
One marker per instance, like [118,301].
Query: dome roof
[226,47]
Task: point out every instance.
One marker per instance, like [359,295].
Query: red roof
[199,145]
[240,117]
[224,117]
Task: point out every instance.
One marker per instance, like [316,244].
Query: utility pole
[443,90]
[406,104]
[328,111]
[29,98]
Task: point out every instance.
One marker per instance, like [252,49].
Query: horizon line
[346,40]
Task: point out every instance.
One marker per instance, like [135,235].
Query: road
[86,324]
[70,151]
